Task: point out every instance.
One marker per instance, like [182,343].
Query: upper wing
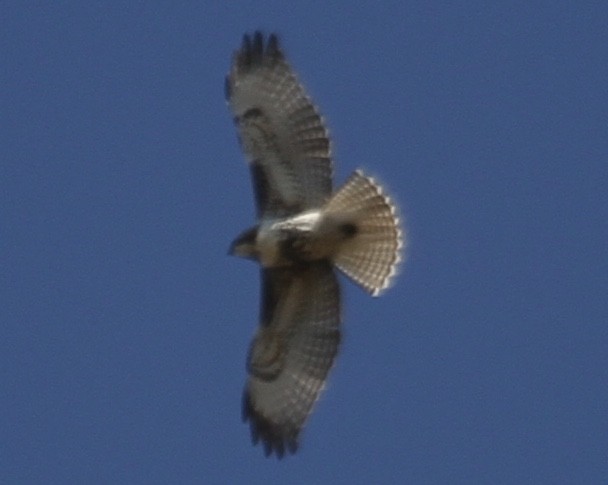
[280,130]
[292,352]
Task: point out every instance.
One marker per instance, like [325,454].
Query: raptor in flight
[305,230]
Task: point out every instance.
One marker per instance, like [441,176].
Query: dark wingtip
[273,48]
[246,44]
[255,48]
[273,440]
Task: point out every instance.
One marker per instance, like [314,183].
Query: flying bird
[304,232]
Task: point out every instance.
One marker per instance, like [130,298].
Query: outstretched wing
[280,130]
[292,352]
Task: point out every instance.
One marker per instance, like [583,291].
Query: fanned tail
[371,250]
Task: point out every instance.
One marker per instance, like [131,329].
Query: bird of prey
[304,231]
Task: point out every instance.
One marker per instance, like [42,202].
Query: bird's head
[244,246]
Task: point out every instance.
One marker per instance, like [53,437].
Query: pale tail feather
[372,252]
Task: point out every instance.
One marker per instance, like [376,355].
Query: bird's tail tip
[371,253]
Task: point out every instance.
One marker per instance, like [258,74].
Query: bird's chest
[289,241]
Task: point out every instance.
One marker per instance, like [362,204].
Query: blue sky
[124,325]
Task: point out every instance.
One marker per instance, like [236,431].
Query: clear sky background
[124,325]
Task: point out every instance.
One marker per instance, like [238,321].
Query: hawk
[304,231]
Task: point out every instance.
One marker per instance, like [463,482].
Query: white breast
[272,233]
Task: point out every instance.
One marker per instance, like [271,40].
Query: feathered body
[304,231]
